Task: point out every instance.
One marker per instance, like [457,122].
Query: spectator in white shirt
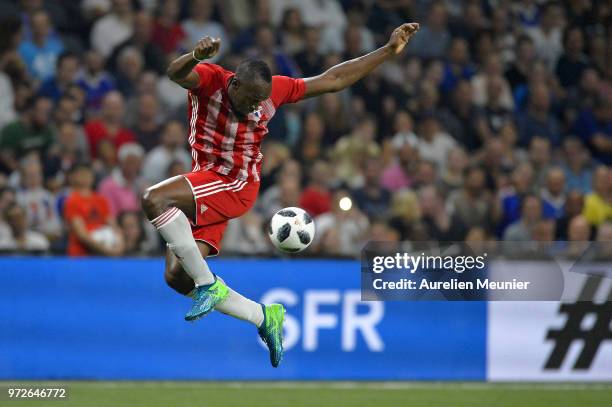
[114,28]
[434,143]
[172,148]
[39,204]
[20,238]
[200,25]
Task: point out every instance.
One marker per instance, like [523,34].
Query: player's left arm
[345,74]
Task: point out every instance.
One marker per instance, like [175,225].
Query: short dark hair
[64,56]
[253,70]
[80,165]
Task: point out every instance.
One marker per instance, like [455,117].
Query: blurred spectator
[577,172]
[400,174]
[31,132]
[245,235]
[92,229]
[172,148]
[574,204]
[130,65]
[547,35]
[310,146]
[472,204]
[167,30]
[67,69]
[553,192]
[540,156]
[380,231]
[66,110]
[537,119]
[434,37]
[457,66]
[372,199]
[464,120]
[38,203]
[341,231]
[434,143]
[493,70]
[94,80]
[292,31]
[439,224]
[573,61]
[141,40]
[518,72]
[531,214]
[406,216]
[426,174]
[123,187]
[131,226]
[21,239]
[114,28]
[69,149]
[333,112]
[147,123]
[41,51]
[110,125]
[277,154]
[316,197]
[595,128]
[309,59]
[199,25]
[578,236]
[598,204]
[328,14]
[351,150]
[452,177]
[583,99]
[522,186]
[266,49]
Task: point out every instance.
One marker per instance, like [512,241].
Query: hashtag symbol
[573,331]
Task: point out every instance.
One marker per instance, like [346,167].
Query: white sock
[241,307]
[174,227]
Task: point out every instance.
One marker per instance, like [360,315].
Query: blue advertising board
[116,319]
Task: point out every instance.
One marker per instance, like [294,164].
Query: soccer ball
[291,229]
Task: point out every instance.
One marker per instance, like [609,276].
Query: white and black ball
[291,229]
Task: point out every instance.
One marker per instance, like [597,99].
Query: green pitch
[320,394]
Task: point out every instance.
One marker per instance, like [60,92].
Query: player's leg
[169,205]
[268,319]
[235,305]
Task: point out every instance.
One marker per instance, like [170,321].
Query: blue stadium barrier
[116,319]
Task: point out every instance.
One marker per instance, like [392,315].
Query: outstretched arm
[345,74]
[181,69]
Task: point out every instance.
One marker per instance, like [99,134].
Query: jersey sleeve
[207,73]
[287,90]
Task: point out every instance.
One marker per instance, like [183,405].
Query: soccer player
[228,116]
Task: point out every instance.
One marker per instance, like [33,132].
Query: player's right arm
[181,69]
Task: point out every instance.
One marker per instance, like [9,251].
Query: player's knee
[153,202]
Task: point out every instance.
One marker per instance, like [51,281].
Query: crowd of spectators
[495,123]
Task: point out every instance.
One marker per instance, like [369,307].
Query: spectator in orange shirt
[92,229]
[110,125]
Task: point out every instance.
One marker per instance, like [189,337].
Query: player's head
[250,86]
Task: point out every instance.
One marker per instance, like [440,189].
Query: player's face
[247,96]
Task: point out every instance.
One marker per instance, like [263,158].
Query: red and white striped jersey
[222,141]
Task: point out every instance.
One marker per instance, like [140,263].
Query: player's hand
[207,47]
[401,35]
